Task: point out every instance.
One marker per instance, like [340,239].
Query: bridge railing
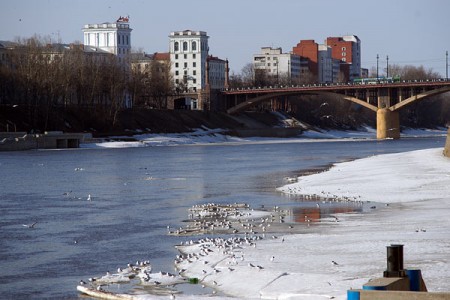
[338,84]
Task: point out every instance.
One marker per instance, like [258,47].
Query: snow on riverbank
[327,260]
[206,136]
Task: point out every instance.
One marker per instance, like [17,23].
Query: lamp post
[387,66]
[446,65]
[377,67]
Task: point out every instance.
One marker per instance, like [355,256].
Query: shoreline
[321,264]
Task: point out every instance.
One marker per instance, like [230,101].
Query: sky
[410,32]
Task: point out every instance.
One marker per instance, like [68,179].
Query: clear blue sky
[413,32]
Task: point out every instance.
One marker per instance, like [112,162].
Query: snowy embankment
[204,136]
[330,259]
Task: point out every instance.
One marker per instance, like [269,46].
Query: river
[135,193]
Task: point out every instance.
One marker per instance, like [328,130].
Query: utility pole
[387,66]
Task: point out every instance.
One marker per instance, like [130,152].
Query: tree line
[47,77]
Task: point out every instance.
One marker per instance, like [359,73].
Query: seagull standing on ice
[89,197]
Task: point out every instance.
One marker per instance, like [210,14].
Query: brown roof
[161,56]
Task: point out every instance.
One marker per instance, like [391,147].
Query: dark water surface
[135,194]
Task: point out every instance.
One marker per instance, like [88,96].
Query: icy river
[97,209]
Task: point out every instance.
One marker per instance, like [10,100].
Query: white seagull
[89,197]
[29,225]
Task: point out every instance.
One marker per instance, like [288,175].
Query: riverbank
[324,264]
[346,250]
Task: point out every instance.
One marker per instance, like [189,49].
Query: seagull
[82,282]
[272,258]
[334,263]
[89,197]
[29,225]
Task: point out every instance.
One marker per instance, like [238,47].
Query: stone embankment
[447,144]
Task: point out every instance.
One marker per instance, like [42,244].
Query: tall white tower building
[188,55]
[114,38]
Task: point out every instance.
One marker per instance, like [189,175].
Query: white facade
[277,64]
[114,38]
[325,64]
[188,55]
[216,72]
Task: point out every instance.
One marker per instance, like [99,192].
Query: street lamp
[387,66]
[446,65]
[377,67]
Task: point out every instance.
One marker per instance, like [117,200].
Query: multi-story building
[188,55]
[277,65]
[325,64]
[217,72]
[114,38]
[347,49]
[309,51]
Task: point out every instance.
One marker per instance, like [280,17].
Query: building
[325,65]
[197,75]
[347,49]
[278,66]
[188,55]
[114,37]
[217,71]
[309,51]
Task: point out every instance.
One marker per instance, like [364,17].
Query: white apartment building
[355,68]
[188,55]
[114,38]
[277,64]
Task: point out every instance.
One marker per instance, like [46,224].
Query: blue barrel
[353,295]
[415,277]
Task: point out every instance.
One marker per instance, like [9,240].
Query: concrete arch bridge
[384,98]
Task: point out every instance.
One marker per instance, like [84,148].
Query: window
[194,72]
[194,56]
[194,46]
[185,46]
[185,65]
[128,41]
[344,48]
[185,56]
[194,81]
[176,56]
[176,47]
[177,73]
[344,54]
[176,65]
[194,64]
[344,59]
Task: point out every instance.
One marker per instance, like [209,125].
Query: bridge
[383,98]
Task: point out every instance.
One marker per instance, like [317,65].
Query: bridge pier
[388,124]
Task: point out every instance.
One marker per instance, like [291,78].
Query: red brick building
[308,49]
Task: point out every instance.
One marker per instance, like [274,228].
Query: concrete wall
[447,144]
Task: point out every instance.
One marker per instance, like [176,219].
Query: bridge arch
[254,101]
[418,97]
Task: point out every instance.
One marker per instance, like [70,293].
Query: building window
[194,64]
[185,56]
[176,65]
[176,46]
[177,73]
[344,54]
[128,41]
[194,46]
[185,65]
[194,72]
[344,49]
[185,46]
[194,56]
[194,81]
[344,59]
[176,56]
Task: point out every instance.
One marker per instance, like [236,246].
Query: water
[135,194]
